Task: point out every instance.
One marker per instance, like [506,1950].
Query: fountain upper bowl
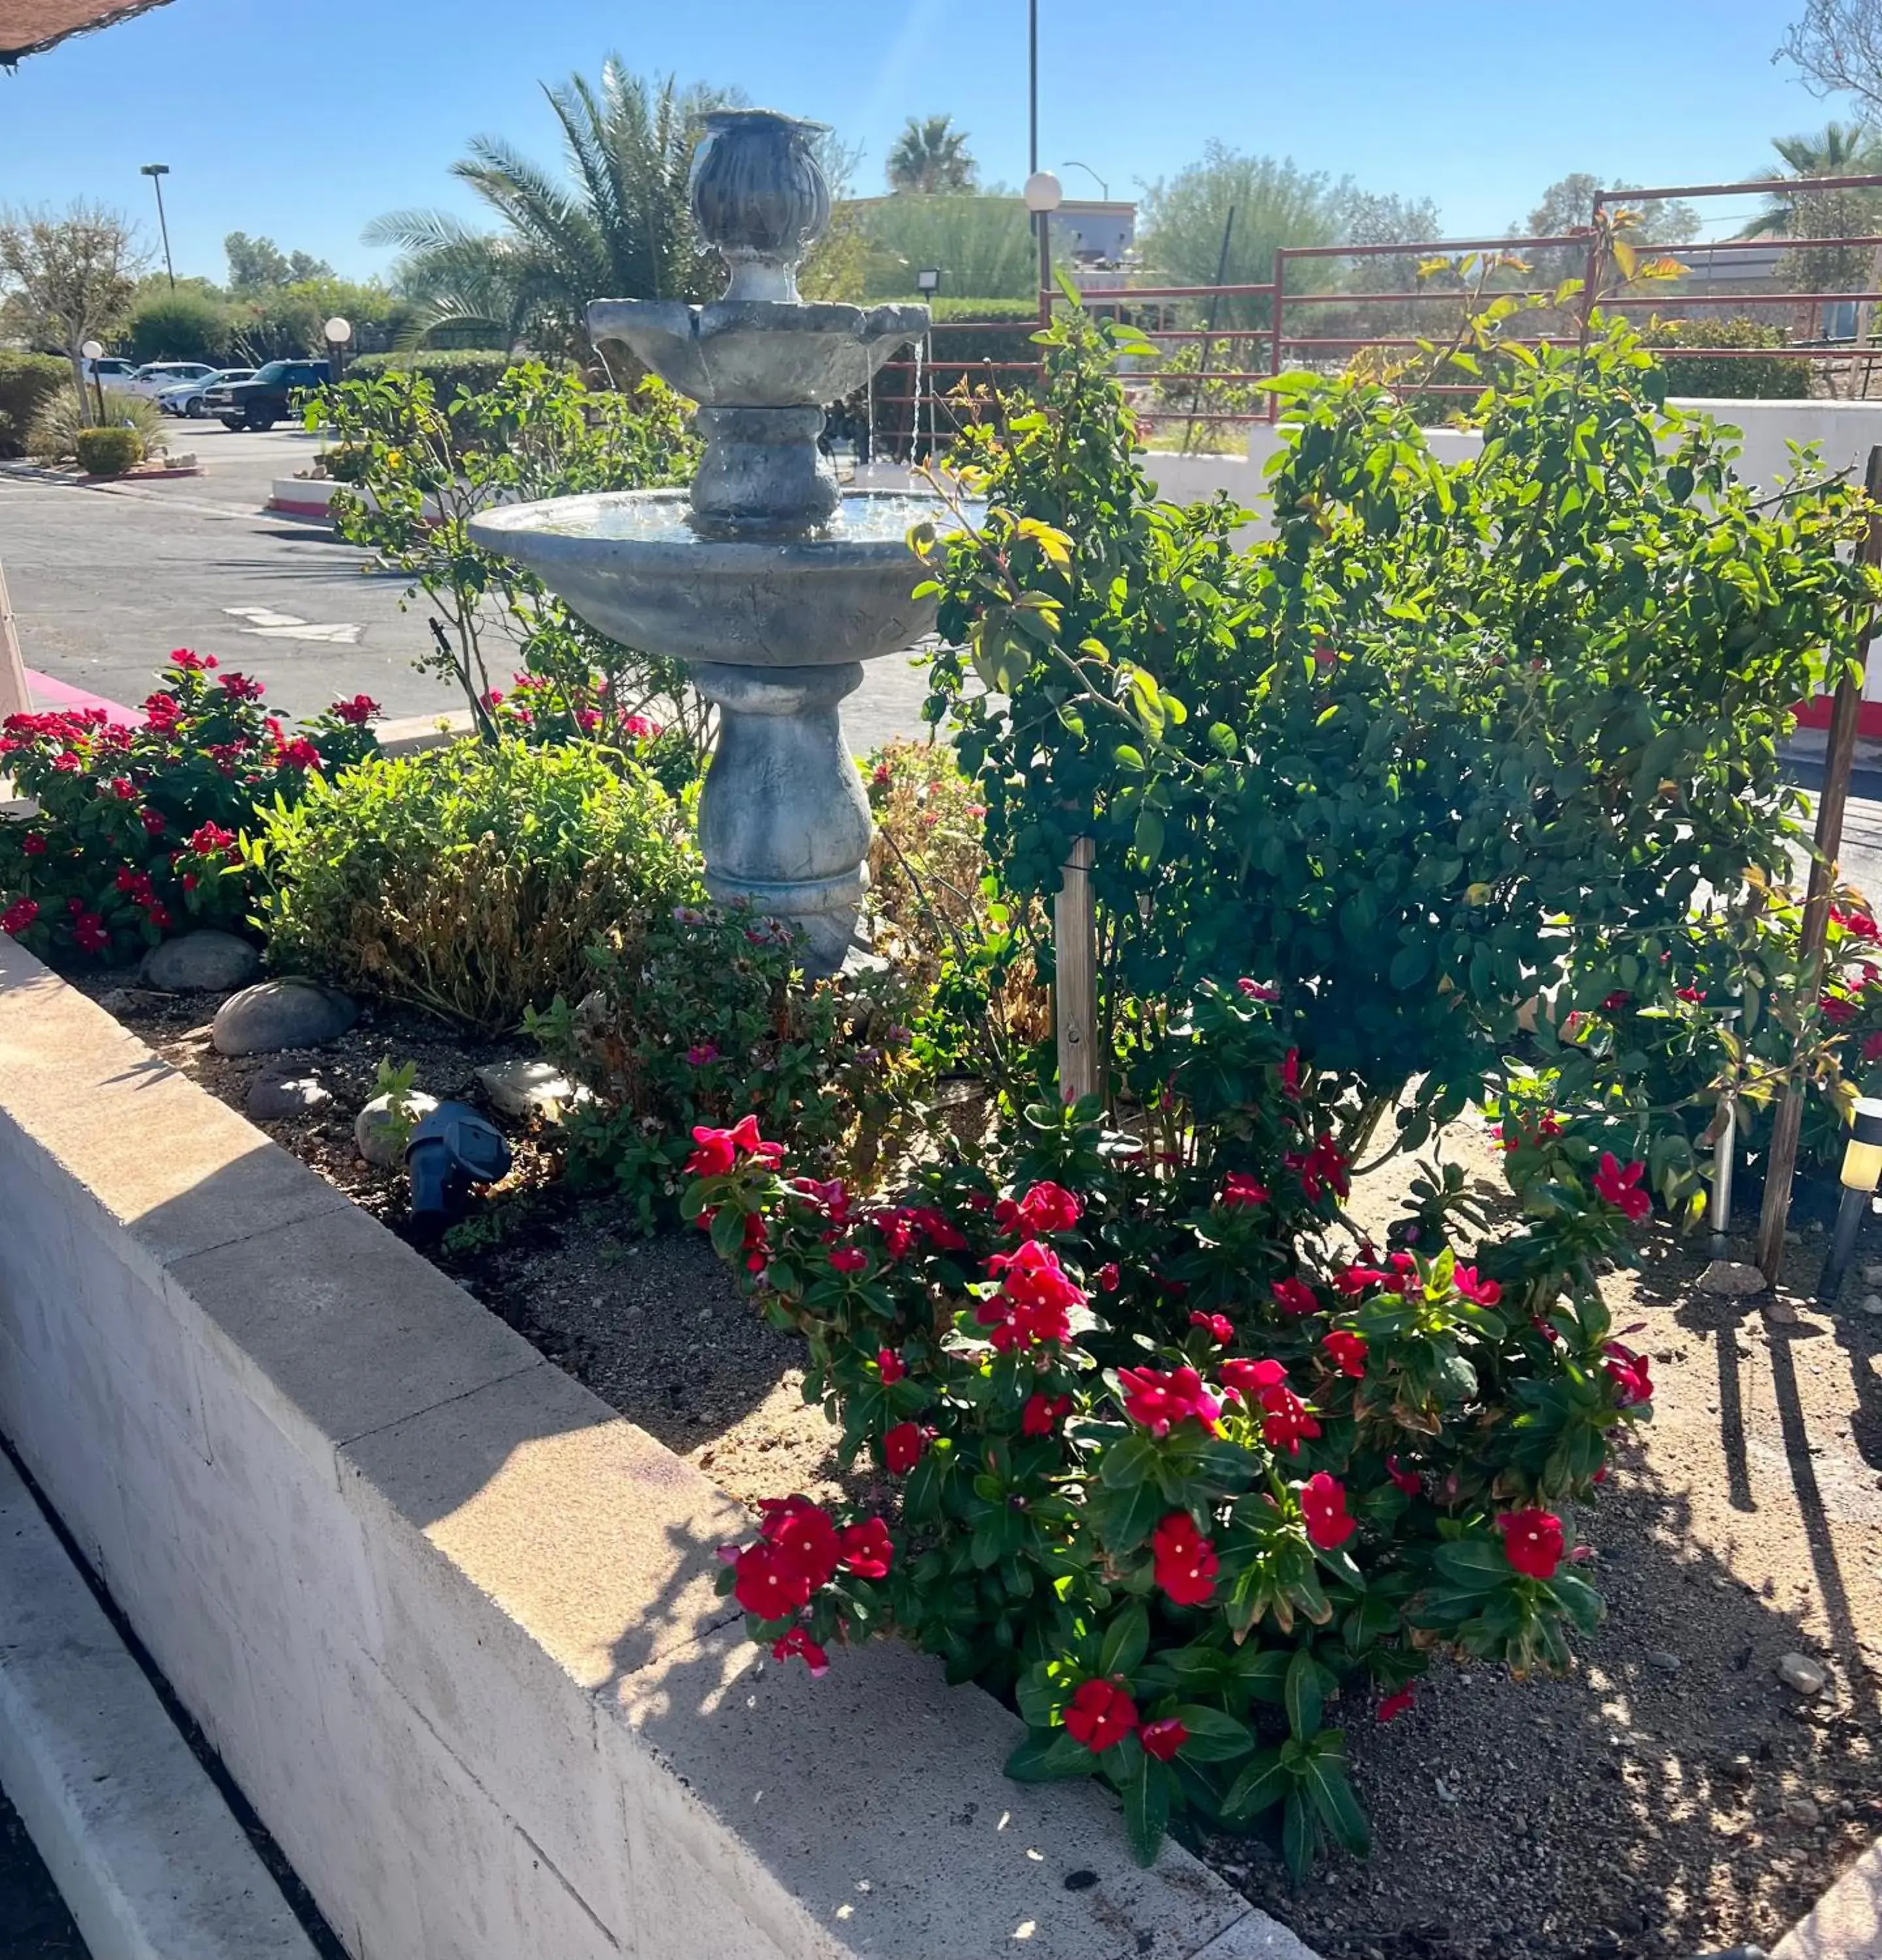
[631,563]
[758,354]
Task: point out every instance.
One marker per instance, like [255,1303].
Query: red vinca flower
[1406,1480]
[1532,1542]
[1253,990]
[1157,1399]
[1286,1421]
[867,1548]
[33,844]
[1633,1383]
[1393,1706]
[1486,1292]
[1109,1277]
[1323,1506]
[1218,1326]
[902,1448]
[891,1365]
[1240,1190]
[1040,1417]
[804,1534]
[1035,1300]
[356,712]
[240,688]
[848,1258]
[1347,1351]
[799,1643]
[1163,1739]
[19,915]
[1100,1715]
[1295,1297]
[1186,1560]
[1045,1209]
[769,1583]
[1621,1187]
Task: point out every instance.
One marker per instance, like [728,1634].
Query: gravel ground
[1671,1796]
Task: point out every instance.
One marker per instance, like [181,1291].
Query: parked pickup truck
[266,399]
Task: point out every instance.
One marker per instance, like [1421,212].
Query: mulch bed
[1669,1797]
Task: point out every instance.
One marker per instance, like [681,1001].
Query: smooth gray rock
[1799,1673]
[276,1014]
[379,1140]
[205,962]
[1665,1661]
[276,1099]
[526,1088]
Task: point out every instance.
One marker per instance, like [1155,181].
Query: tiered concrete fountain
[770,583]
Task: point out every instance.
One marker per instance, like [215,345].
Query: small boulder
[1799,1810]
[1730,1279]
[378,1138]
[526,1088]
[1663,1661]
[1800,1672]
[276,1014]
[277,1098]
[207,962]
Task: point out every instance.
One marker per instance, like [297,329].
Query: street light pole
[157,172]
[1031,85]
[1072,163]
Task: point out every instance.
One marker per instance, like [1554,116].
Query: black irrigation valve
[454,1148]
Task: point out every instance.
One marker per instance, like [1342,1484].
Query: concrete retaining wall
[450,1621]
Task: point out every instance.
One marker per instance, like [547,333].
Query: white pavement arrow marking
[265,624]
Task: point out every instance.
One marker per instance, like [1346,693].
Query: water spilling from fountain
[769,581]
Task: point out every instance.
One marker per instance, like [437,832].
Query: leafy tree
[1837,47]
[1839,149]
[930,156]
[255,264]
[67,278]
[983,245]
[190,324]
[283,322]
[615,225]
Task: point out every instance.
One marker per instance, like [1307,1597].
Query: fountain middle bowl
[632,564]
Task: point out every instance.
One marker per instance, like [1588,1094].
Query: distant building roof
[31,27]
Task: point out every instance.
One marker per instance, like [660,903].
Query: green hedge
[28,382]
[108,452]
[1741,379]
[454,370]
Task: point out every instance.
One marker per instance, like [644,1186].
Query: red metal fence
[1319,311]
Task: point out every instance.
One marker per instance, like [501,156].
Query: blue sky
[303,123]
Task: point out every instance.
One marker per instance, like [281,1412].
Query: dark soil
[1670,1797]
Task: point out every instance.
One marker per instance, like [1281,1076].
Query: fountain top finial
[760,195]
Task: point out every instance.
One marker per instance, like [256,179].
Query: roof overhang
[31,27]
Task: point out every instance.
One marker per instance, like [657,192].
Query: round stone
[526,1088]
[276,1014]
[276,1099]
[380,1141]
[1800,1672]
[1665,1662]
[207,962]
[1799,1810]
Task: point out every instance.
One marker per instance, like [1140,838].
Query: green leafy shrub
[431,464]
[185,324]
[28,382]
[700,1015]
[54,435]
[108,452]
[972,332]
[452,371]
[1455,737]
[1173,1474]
[470,879]
[139,829]
[1746,378]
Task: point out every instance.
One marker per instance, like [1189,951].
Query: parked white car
[154,376]
[109,369]
[186,398]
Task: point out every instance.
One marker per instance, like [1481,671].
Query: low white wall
[450,1621]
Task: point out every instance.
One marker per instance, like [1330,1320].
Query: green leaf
[1126,1641]
[1332,1795]
[1298,1836]
[1260,1786]
[1148,841]
[1213,1737]
[1304,1694]
[1046,1756]
[1147,1809]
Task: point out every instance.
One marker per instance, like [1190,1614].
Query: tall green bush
[28,382]
[471,879]
[1456,735]
[1740,376]
[452,371]
[186,325]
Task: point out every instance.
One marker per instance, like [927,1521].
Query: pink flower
[1156,1398]
[1255,991]
[1621,1187]
[701,1054]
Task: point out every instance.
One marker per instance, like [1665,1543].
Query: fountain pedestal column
[784,823]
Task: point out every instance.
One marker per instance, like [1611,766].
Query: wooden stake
[1838,756]
[14,699]
[1075,956]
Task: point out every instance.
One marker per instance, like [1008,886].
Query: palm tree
[1838,150]
[930,156]
[615,225]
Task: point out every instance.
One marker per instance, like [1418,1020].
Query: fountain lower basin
[635,565]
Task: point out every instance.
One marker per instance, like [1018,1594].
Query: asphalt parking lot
[106,581]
